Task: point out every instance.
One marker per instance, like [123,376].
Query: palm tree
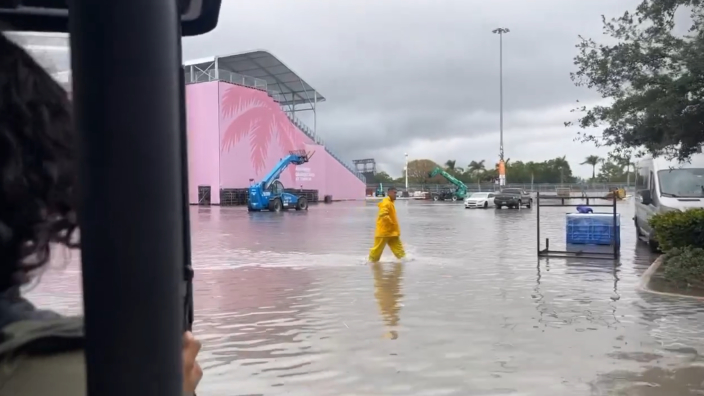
[561,164]
[592,160]
[627,162]
[451,168]
[476,167]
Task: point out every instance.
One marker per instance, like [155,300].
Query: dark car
[513,198]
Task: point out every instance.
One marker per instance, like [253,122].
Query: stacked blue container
[593,228]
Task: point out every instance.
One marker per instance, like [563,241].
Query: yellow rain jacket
[386,221]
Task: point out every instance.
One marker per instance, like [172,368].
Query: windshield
[682,182]
[479,195]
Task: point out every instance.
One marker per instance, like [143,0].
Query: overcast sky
[422,76]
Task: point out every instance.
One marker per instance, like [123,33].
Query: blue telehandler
[269,194]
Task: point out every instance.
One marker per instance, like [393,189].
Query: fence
[318,140]
[194,76]
[542,187]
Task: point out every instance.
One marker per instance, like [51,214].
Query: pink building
[241,122]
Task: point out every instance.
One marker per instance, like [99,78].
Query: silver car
[479,200]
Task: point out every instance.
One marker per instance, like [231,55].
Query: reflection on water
[285,305]
[387,290]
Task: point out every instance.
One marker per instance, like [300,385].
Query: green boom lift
[460,188]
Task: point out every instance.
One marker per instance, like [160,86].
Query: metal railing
[318,140]
[194,76]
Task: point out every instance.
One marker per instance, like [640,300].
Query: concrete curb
[648,274]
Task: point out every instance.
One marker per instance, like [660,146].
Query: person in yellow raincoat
[387,229]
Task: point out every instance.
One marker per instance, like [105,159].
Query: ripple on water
[286,307]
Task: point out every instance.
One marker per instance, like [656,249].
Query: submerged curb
[648,274]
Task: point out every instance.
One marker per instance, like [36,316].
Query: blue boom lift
[269,193]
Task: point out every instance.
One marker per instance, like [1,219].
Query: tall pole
[406,171]
[502,165]
[501,96]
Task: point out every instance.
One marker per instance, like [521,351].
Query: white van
[664,185]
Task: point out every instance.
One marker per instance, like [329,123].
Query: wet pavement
[285,305]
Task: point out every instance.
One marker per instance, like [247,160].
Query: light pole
[406,170]
[502,166]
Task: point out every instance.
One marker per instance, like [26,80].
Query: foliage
[382,177]
[556,170]
[611,172]
[684,267]
[652,78]
[677,229]
[452,169]
[592,160]
[418,172]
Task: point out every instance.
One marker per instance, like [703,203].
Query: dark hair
[37,161]
[391,189]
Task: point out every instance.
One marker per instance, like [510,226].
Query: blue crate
[592,228]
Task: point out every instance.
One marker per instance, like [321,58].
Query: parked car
[513,198]
[479,200]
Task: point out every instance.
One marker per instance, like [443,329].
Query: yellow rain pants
[380,243]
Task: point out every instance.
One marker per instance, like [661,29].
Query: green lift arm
[461,191]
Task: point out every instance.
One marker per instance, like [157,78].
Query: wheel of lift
[302,204]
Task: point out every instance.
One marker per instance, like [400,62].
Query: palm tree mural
[259,120]
[592,160]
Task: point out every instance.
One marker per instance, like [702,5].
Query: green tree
[625,161]
[611,172]
[593,161]
[451,168]
[555,170]
[653,78]
[419,169]
[383,177]
[476,166]
[474,171]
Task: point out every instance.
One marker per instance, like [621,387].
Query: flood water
[286,305]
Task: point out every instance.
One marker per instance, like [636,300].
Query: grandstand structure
[263,71]
[367,167]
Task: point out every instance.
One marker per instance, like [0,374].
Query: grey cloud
[395,71]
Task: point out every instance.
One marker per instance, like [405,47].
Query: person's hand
[192,373]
